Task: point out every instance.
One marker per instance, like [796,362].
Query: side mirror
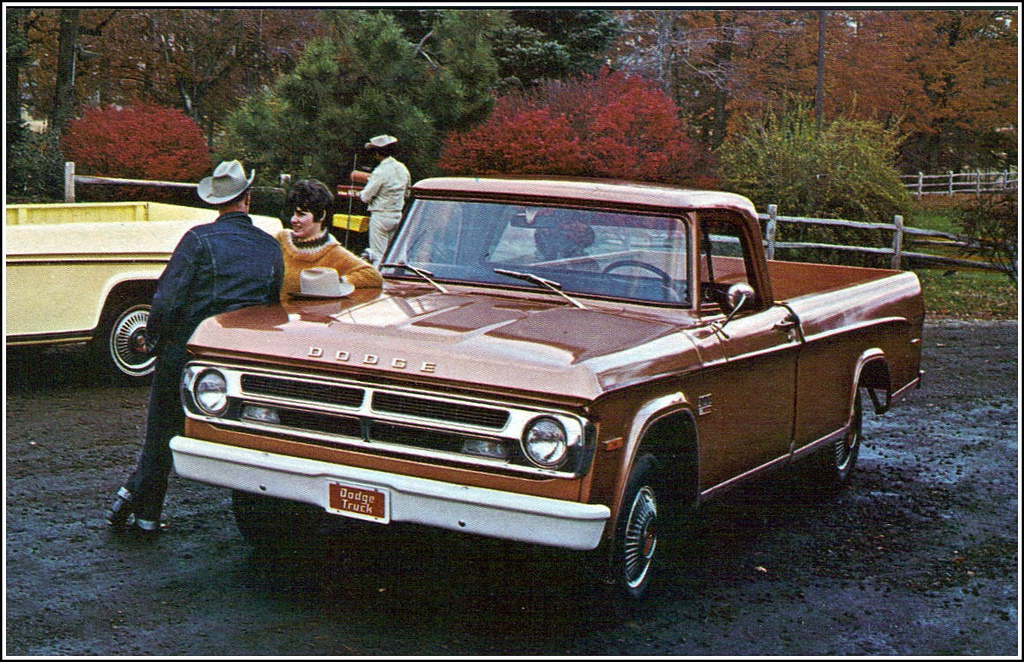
[738,295]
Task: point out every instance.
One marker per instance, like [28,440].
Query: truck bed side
[859,324]
[791,280]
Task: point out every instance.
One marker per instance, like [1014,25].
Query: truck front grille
[438,410]
[332,394]
[318,422]
[386,419]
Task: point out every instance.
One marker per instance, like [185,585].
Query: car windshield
[607,254]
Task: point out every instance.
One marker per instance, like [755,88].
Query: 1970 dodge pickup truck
[564,363]
[86,272]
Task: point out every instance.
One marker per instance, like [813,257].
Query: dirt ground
[919,557]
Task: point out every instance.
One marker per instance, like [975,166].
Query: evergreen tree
[35,165]
[532,45]
[549,44]
[369,78]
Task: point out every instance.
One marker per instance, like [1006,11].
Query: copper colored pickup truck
[565,363]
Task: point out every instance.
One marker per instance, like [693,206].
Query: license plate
[359,501]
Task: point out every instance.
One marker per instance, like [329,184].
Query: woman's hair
[313,196]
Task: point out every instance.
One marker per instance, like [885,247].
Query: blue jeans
[165,419]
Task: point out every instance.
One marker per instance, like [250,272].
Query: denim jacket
[216,267]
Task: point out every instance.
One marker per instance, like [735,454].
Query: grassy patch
[937,212]
[960,294]
[969,294]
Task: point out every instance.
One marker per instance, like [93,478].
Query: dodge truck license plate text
[360,502]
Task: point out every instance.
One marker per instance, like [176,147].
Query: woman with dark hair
[309,244]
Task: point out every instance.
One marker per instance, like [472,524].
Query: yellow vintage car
[86,272]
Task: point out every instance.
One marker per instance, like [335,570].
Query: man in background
[384,192]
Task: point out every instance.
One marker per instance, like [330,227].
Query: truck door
[748,421]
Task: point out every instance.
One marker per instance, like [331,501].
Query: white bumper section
[493,513]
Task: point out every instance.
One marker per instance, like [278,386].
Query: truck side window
[723,259]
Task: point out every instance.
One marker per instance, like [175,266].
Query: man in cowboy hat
[216,267]
[384,192]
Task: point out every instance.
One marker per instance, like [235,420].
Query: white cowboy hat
[380,141]
[322,283]
[227,183]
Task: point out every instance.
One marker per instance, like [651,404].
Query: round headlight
[546,443]
[211,392]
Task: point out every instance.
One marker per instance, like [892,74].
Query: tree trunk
[64,97]
[819,86]
[16,48]
[723,52]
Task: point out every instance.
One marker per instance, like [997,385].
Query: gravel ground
[918,557]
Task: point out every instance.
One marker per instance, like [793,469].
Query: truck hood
[479,340]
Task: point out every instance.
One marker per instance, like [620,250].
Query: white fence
[961,182]
[902,237]
[71,179]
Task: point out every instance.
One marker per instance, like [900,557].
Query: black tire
[833,464]
[636,532]
[119,347]
[277,524]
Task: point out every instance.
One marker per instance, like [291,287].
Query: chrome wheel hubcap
[641,537]
[128,343]
[845,447]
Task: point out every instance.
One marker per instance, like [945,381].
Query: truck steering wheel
[666,280]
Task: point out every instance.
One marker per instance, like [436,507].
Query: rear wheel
[834,463]
[120,343]
[271,523]
[636,534]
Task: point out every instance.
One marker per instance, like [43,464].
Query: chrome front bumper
[493,513]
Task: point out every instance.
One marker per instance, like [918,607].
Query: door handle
[788,325]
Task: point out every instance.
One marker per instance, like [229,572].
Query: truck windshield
[603,254]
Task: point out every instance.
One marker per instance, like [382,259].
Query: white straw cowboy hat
[322,283]
[380,141]
[227,183]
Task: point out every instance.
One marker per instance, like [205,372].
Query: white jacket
[387,188]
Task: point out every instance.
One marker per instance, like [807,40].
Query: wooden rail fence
[961,182]
[902,236]
[71,180]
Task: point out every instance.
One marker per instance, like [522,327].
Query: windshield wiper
[543,282]
[425,275]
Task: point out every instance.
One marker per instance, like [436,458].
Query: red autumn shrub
[144,141]
[525,142]
[610,125]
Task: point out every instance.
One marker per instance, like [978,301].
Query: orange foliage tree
[945,78]
[610,125]
[201,60]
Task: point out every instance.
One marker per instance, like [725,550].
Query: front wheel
[636,534]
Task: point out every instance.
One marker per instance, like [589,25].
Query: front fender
[646,416]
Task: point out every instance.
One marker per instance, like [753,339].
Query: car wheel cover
[640,538]
[847,446]
[127,343]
